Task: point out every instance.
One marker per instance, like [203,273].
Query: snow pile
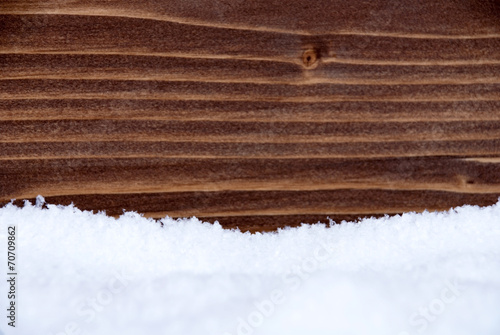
[83,273]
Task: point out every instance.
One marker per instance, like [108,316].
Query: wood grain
[258,114]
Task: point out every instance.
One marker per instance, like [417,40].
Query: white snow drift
[84,273]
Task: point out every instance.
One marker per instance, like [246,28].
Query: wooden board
[259,114]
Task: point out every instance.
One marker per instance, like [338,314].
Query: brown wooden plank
[257,113]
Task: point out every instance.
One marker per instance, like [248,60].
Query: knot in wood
[310,58]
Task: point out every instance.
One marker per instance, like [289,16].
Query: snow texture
[84,273]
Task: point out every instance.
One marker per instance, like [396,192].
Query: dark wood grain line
[192,110]
[333,59]
[105,89]
[189,149]
[214,131]
[407,74]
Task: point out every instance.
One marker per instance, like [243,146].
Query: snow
[84,273]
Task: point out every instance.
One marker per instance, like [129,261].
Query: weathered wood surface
[257,113]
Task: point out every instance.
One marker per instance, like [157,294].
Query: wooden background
[257,113]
